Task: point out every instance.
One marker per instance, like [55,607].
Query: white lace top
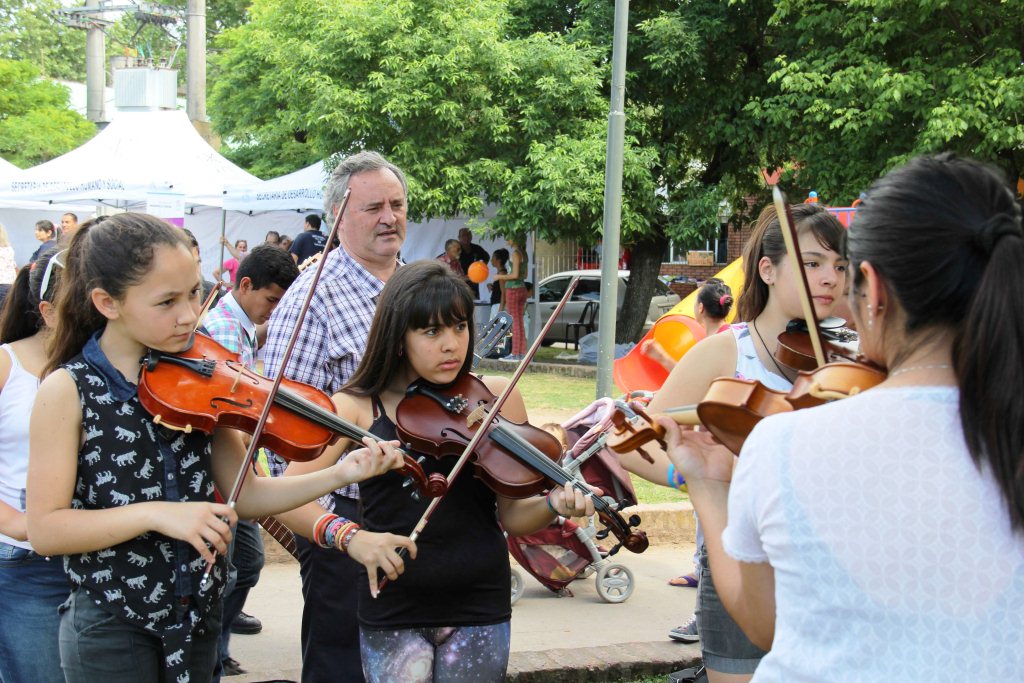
[893,555]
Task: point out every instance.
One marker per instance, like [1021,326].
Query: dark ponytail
[767,240]
[716,297]
[20,317]
[110,254]
[945,236]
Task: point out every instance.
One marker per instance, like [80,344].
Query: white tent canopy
[137,153]
[302,190]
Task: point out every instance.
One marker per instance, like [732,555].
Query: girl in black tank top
[444,615]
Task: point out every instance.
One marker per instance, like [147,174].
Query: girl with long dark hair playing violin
[881,537]
[768,302]
[129,503]
[445,616]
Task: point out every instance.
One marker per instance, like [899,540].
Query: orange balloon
[477,271]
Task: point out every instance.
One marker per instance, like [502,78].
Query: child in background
[128,502]
[32,586]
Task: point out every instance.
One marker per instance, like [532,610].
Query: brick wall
[737,238]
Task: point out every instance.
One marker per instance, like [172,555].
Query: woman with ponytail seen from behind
[881,537]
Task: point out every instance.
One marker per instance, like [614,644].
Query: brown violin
[206,386]
[515,460]
[732,407]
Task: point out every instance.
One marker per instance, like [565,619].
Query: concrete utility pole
[95,68]
[612,204]
[195,76]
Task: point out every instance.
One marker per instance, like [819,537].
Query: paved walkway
[581,638]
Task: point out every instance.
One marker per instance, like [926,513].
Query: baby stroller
[565,551]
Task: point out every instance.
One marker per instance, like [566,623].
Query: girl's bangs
[444,303]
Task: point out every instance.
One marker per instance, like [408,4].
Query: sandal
[684,581]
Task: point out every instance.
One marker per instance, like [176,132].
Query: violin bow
[286,356]
[207,305]
[486,421]
[788,228]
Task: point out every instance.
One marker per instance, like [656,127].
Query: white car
[551,289]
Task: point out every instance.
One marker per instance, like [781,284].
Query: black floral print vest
[152,581]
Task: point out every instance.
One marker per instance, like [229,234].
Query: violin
[206,386]
[515,460]
[732,407]
[796,351]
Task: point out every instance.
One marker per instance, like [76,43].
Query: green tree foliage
[471,114]
[35,121]
[866,84]
[692,70]
[29,31]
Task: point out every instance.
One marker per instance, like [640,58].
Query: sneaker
[687,633]
[511,359]
[246,624]
[229,666]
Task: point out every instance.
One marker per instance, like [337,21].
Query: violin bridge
[238,378]
[476,415]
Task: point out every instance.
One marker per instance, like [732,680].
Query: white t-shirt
[893,554]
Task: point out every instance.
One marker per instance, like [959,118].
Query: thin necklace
[940,366]
[770,354]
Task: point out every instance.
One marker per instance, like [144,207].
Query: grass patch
[542,391]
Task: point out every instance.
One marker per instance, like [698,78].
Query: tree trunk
[645,266]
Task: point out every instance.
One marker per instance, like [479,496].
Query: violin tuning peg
[634,520]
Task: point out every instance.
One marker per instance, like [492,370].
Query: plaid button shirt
[333,335]
[228,325]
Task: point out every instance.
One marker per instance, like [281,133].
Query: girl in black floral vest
[131,504]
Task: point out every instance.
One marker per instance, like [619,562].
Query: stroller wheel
[614,583]
[517,586]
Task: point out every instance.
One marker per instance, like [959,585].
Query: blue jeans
[98,646]
[32,587]
[724,646]
[247,557]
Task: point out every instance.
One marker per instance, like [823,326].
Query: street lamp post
[724,214]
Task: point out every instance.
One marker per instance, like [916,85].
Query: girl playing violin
[447,617]
[768,302]
[128,502]
[32,586]
[853,562]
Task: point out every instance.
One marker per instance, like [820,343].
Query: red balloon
[477,272]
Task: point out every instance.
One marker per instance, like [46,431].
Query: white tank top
[749,366]
[16,399]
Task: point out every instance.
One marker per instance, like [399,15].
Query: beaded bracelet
[675,479]
[551,507]
[347,537]
[320,527]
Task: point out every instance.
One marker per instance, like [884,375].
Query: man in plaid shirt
[328,350]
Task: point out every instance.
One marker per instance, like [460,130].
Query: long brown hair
[418,295]
[945,236]
[767,240]
[112,254]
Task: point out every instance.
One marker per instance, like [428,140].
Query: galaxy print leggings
[467,654]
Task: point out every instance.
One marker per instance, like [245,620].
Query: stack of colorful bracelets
[675,479]
[332,531]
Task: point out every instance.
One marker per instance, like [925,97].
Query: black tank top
[461,574]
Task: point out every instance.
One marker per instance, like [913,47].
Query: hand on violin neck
[696,454]
[573,501]
[375,459]
[379,553]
